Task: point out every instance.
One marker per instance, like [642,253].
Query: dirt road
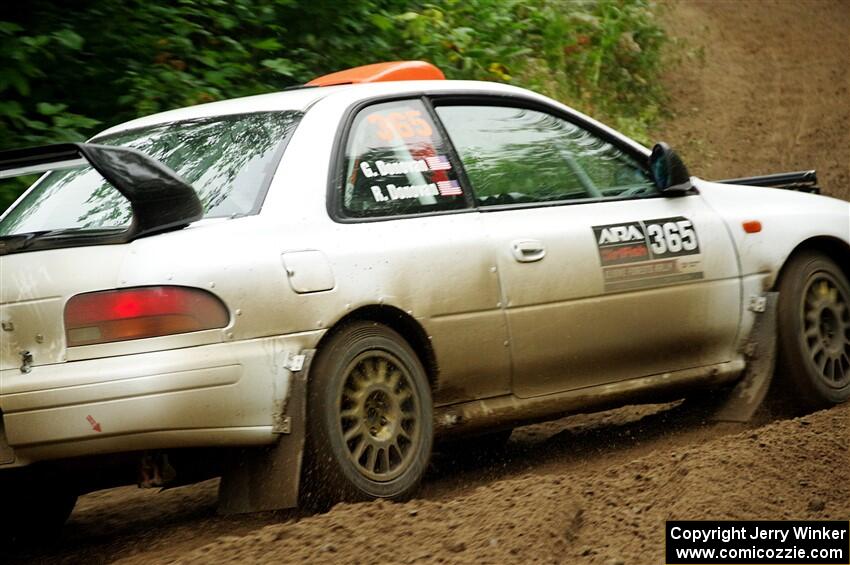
[770,93]
[586,489]
[766,89]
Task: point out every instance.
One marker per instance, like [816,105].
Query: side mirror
[669,173]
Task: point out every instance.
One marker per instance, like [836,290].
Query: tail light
[135,313]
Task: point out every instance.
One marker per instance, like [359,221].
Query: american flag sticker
[449,188]
[438,163]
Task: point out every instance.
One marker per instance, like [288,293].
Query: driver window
[516,155]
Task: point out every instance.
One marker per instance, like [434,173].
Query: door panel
[575,322]
[602,278]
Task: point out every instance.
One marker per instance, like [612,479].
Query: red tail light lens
[135,313]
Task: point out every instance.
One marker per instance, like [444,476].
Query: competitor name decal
[404,192]
[662,247]
[389,169]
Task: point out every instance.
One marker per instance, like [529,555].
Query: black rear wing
[801,181]
[159,198]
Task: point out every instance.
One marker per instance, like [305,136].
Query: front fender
[788,220]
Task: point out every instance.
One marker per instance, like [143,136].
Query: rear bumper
[211,395]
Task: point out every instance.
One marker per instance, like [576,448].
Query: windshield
[229,160]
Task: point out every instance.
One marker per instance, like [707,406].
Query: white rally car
[347,270]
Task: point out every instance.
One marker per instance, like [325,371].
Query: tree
[69,68]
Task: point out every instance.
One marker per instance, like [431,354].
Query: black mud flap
[747,396]
[268,478]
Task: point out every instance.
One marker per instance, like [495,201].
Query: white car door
[603,279]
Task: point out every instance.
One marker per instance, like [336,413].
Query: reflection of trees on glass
[369,143]
[519,155]
[50,184]
[108,208]
[213,155]
[605,164]
[525,171]
[228,160]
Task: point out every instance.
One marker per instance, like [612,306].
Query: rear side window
[396,163]
[517,155]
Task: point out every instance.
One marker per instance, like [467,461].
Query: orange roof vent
[382,72]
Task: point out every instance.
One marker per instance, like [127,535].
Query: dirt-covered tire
[814,332]
[370,418]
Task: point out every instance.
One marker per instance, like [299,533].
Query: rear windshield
[229,160]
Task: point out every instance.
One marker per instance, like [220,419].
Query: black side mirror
[669,173]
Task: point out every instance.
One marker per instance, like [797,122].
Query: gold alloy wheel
[379,416]
[826,319]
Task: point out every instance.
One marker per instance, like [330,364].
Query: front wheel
[370,426]
[814,332]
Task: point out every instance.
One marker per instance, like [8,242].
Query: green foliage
[68,70]
[600,56]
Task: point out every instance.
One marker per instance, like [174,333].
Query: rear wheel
[369,418]
[814,332]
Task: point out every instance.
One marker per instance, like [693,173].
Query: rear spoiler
[801,181]
[159,198]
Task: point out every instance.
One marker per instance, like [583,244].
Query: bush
[69,69]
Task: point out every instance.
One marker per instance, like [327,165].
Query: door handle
[528,250]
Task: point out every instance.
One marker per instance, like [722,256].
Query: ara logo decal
[621,243]
[619,234]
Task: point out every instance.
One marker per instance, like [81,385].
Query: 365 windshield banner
[757,542]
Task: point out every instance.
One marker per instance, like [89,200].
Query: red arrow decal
[95,425]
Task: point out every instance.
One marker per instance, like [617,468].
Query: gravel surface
[790,469]
[766,89]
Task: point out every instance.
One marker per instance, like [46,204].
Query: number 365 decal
[672,237]
[647,240]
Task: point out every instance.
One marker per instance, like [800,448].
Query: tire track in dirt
[144,526]
[603,517]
